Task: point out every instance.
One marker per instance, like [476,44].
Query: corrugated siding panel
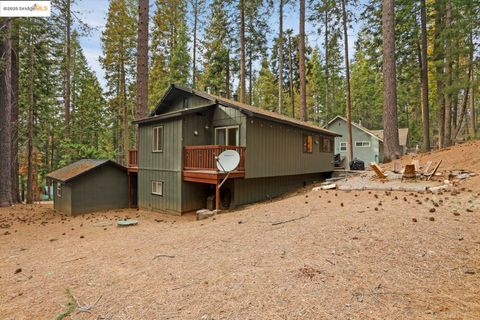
[100,189]
[277,150]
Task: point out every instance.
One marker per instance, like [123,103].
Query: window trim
[59,190]
[153,139]
[362,146]
[343,143]
[155,183]
[305,148]
[226,134]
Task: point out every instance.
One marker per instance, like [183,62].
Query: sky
[94,13]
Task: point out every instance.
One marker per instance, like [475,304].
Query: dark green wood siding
[103,188]
[226,116]
[181,102]
[275,149]
[163,166]
[64,202]
[251,190]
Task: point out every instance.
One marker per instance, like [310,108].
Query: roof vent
[209,91]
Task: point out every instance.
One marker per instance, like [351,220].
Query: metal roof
[78,168]
[245,108]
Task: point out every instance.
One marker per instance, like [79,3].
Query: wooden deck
[199,163]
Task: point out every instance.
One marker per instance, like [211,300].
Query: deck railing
[203,157]
[133,158]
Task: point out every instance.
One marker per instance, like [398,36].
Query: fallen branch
[88,307]
[163,256]
[287,221]
[79,258]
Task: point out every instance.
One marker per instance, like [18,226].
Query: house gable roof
[378,134]
[79,168]
[356,126]
[242,107]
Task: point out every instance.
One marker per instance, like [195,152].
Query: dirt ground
[343,255]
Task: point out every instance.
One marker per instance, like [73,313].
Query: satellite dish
[228,160]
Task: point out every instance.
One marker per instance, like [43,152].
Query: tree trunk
[67,68]
[125,111]
[5,113]
[15,105]
[448,70]
[250,63]
[242,49]
[301,64]
[439,59]
[391,147]
[142,61]
[347,87]
[290,74]
[194,49]
[463,111]
[326,66]
[473,113]
[280,56]
[227,76]
[424,78]
[31,107]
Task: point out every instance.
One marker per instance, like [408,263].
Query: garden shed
[89,185]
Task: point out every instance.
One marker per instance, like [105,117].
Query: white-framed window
[157,188]
[157,139]
[343,146]
[59,190]
[227,136]
[362,144]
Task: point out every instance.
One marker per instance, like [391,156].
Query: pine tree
[390,125]
[217,47]
[171,59]
[266,94]
[119,42]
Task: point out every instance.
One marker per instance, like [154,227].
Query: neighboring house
[178,142]
[367,144]
[89,185]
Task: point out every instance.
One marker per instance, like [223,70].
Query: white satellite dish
[228,160]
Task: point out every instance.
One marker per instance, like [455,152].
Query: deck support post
[129,190]
[217,195]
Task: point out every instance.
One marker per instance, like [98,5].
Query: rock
[205,214]
[431,219]
[432,210]
[18,270]
[414,219]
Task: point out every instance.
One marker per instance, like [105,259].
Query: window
[326,144]
[157,139]
[307,144]
[226,136]
[362,143]
[157,188]
[59,190]
[343,146]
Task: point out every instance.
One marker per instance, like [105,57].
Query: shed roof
[78,168]
[245,108]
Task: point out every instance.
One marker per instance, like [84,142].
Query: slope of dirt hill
[465,156]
